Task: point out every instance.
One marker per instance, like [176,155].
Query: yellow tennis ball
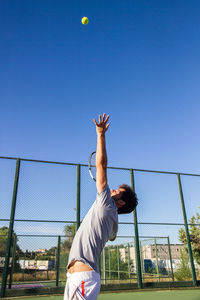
[84,20]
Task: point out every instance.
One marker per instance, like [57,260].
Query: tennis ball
[84,20]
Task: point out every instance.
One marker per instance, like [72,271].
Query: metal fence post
[13,261]
[58,262]
[129,265]
[118,265]
[78,192]
[157,262]
[187,231]
[10,231]
[142,260]
[104,266]
[170,258]
[100,264]
[137,246]
[109,263]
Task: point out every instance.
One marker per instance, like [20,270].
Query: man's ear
[121,202]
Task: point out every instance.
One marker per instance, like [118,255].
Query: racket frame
[90,165]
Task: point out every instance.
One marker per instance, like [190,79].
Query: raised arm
[101,156]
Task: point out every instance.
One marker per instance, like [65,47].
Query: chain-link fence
[42,205]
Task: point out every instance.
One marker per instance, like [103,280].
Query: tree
[194,237]
[114,262]
[183,271]
[51,251]
[3,241]
[70,231]
[3,244]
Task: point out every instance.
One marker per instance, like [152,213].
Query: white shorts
[82,285]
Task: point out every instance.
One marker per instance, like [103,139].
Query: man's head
[125,199]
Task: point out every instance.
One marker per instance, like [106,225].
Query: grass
[186,294]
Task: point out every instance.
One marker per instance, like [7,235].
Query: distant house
[36,264]
[43,251]
[151,254]
[149,251]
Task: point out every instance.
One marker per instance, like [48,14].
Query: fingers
[95,122]
[107,118]
[104,120]
[107,126]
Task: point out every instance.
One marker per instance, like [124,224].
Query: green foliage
[151,270]
[183,271]
[45,257]
[48,255]
[3,245]
[114,262]
[161,271]
[70,231]
[63,264]
[51,251]
[3,242]
[194,236]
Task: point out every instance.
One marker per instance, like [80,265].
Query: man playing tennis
[99,225]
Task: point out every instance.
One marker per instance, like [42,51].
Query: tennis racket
[92,165]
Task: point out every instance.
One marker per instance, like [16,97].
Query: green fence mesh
[46,214]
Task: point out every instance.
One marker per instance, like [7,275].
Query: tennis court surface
[193,294]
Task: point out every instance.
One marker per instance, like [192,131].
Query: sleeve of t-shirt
[104,197]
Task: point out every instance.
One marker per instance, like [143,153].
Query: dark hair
[130,198]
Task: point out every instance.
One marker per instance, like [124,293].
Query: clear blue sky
[136,60]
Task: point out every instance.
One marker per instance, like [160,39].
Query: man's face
[116,195]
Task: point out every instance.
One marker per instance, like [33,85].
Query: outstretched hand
[102,126]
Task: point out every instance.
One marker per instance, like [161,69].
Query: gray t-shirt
[99,225]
